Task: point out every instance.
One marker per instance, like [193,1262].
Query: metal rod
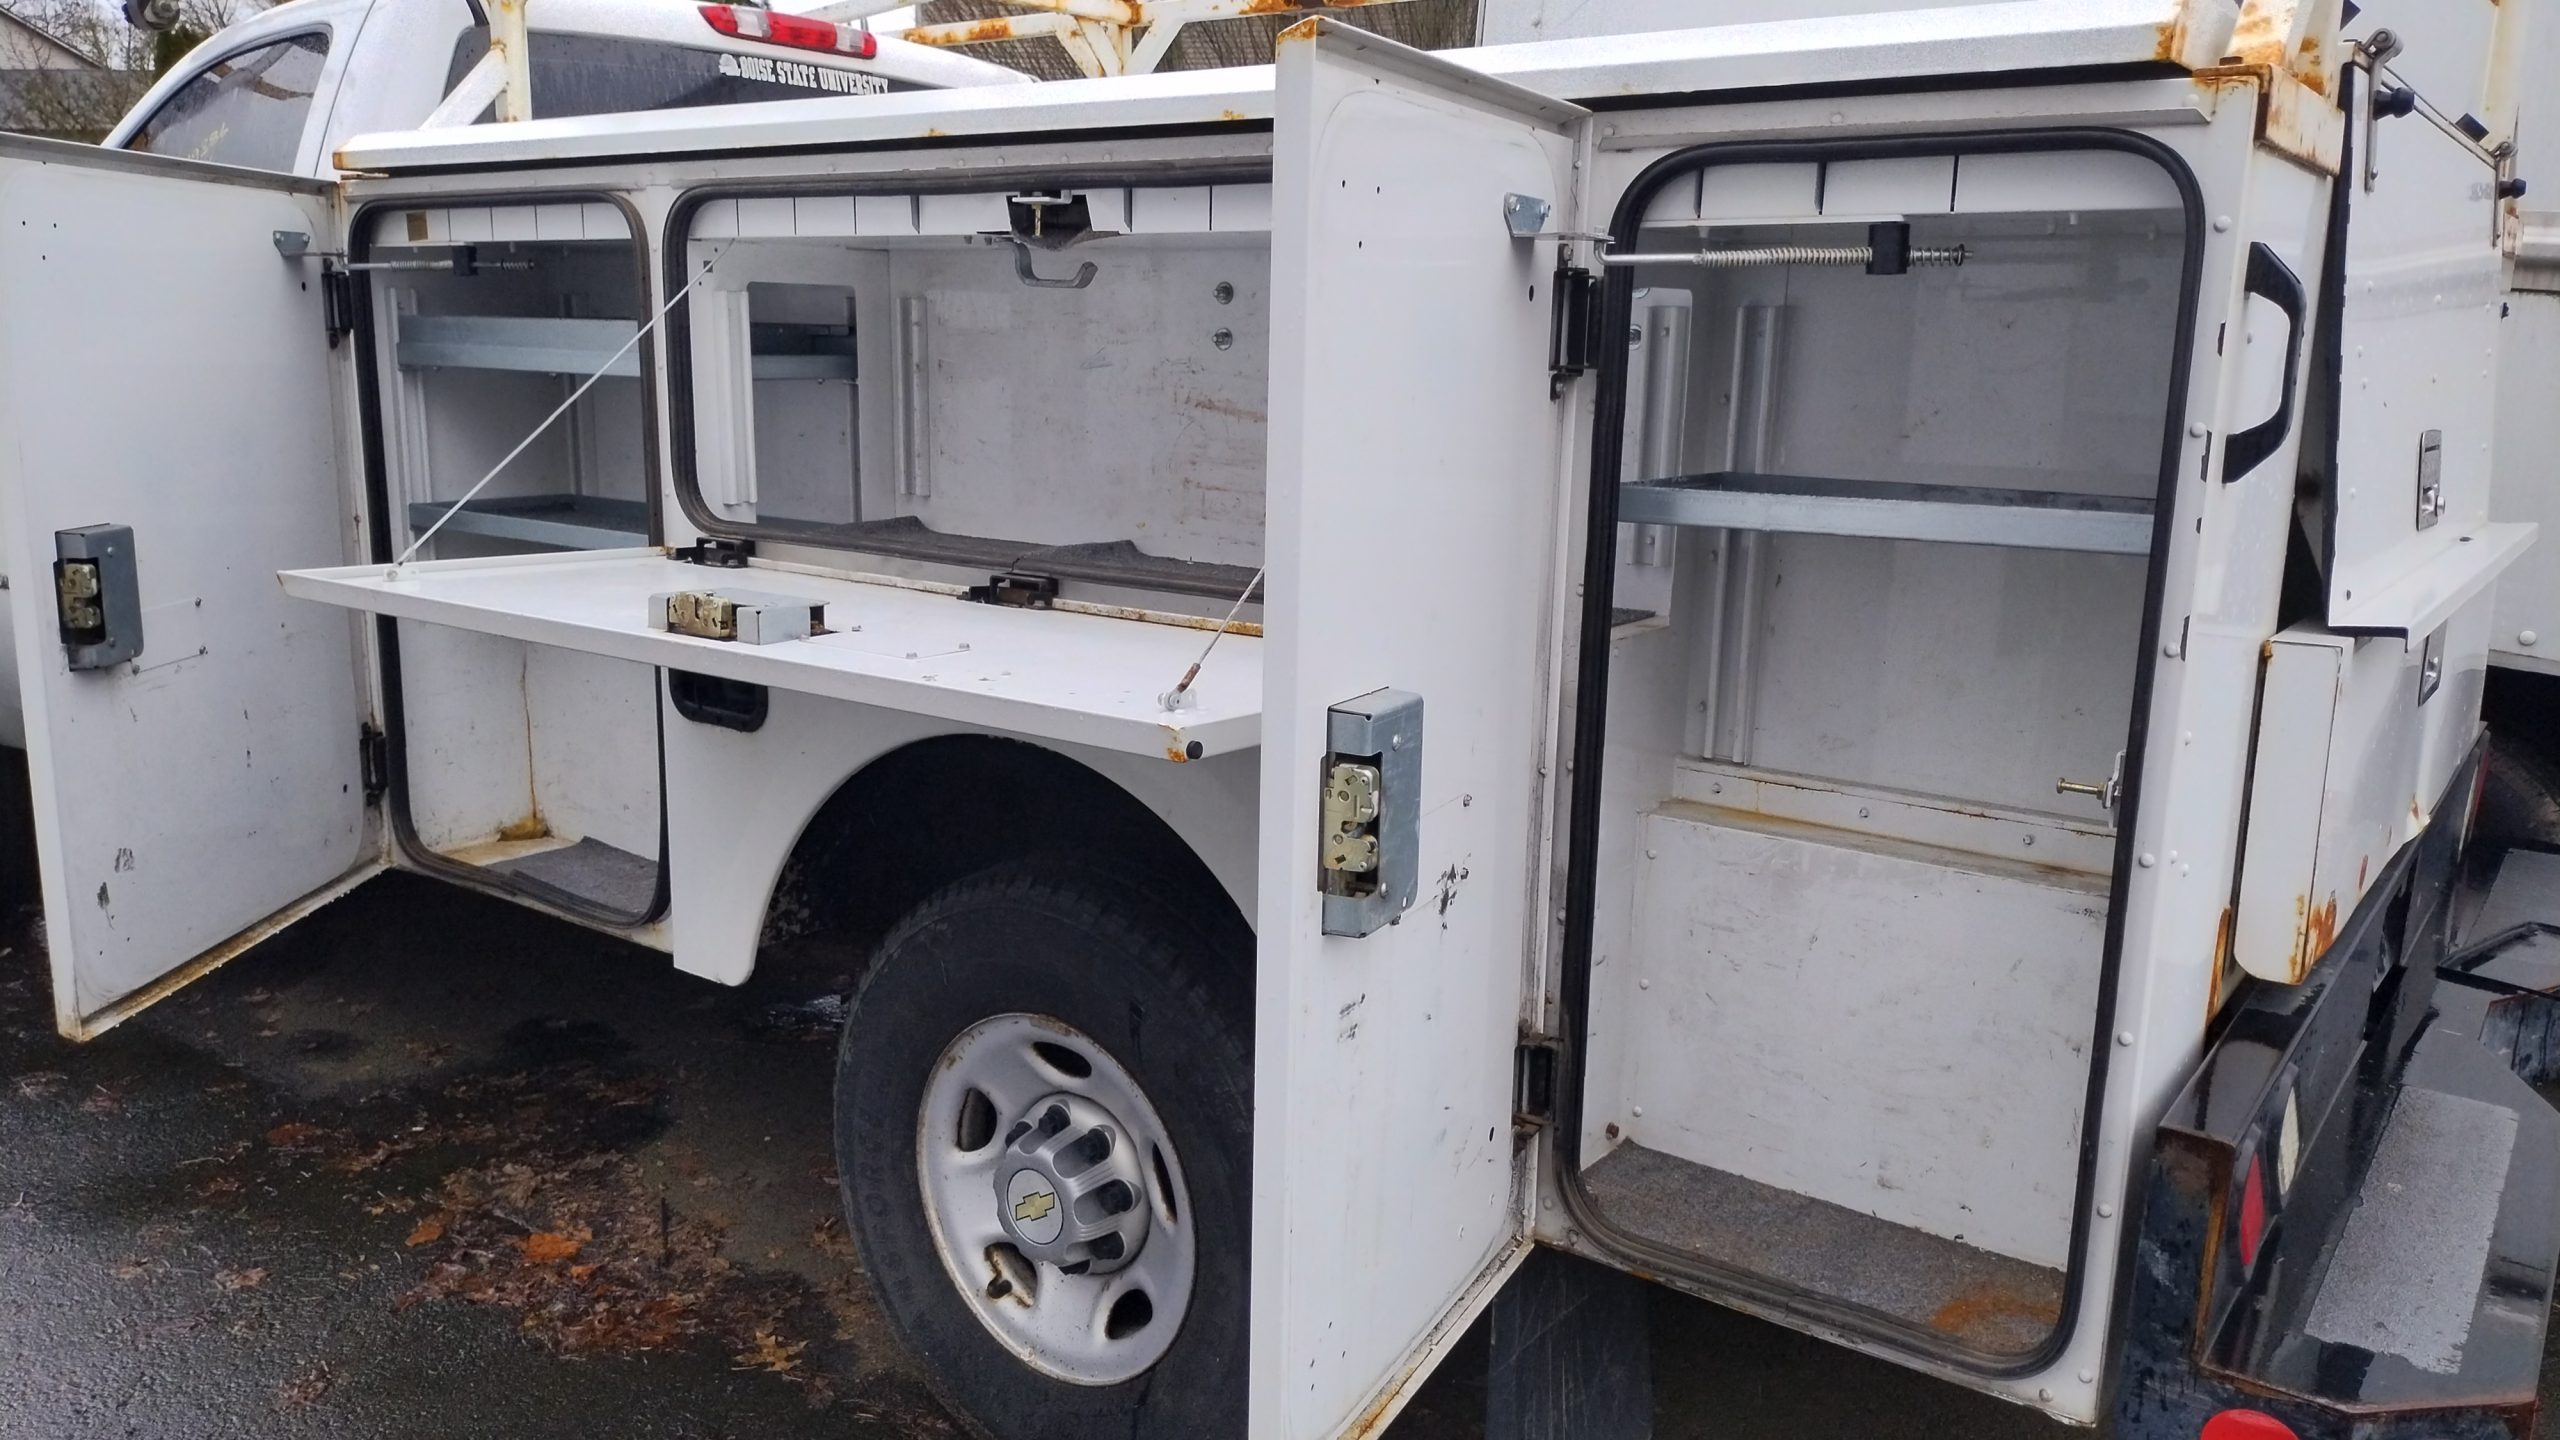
[1749,443]
[1759,256]
[915,478]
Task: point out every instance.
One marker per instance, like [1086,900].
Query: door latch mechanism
[1369,855]
[97,595]
[2106,794]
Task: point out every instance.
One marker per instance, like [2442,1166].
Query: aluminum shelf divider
[1894,510]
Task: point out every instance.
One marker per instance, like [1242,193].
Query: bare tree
[44,91]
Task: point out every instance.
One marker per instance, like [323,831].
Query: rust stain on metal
[2316,930]
[531,827]
[1173,752]
[1983,1313]
[2221,966]
[1301,32]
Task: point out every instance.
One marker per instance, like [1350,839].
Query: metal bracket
[1533,1083]
[1016,590]
[718,553]
[373,761]
[1526,216]
[1573,340]
[2431,666]
[1370,862]
[1023,272]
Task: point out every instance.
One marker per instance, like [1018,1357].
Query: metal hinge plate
[337,301]
[1533,1083]
[373,761]
[1573,341]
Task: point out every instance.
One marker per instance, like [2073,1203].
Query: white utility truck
[1412,658]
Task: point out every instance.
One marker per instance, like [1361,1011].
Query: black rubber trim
[378,539]
[1590,748]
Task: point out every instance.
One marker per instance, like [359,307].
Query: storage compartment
[1066,381]
[531,764]
[1891,465]
[930,412]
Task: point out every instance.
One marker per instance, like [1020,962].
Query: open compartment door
[1412,538]
[193,745]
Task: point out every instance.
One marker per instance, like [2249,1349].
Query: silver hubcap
[1056,1199]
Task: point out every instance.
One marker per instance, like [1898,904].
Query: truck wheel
[1043,1125]
[2520,798]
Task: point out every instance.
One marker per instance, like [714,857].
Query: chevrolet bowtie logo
[1035,1206]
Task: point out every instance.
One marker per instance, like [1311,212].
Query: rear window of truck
[609,75]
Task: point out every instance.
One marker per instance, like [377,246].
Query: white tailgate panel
[1412,496]
[162,367]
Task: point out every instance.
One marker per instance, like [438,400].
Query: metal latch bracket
[1369,854]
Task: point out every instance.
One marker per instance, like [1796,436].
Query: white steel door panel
[161,366]
[2418,395]
[1412,501]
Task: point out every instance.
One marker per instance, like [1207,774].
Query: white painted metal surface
[1896,1029]
[183,802]
[736,803]
[1083,678]
[1412,476]
[1955,40]
[2334,792]
[2527,488]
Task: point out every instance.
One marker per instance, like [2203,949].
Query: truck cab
[1836,664]
[283,88]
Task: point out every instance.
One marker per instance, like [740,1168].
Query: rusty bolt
[1612,1131]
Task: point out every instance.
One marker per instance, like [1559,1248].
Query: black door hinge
[1573,342]
[337,301]
[717,553]
[1533,1083]
[373,761]
[1017,590]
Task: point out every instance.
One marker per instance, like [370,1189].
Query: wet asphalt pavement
[429,1164]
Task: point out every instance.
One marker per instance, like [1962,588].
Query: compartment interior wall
[1042,416]
[510,743]
[447,424]
[1815,1034]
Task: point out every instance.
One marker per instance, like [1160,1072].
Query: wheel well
[939,810]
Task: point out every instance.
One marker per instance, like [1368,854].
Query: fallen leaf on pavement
[429,1231]
[292,1132]
[771,1352]
[249,1279]
[547,1246]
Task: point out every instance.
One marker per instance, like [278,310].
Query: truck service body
[1416,659]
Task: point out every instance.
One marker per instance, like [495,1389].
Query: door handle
[2271,279]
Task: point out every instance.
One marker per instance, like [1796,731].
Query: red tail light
[2246,1425]
[748,22]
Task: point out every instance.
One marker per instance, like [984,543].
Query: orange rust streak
[2323,934]
[1975,1311]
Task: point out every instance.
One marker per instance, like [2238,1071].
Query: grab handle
[2271,279]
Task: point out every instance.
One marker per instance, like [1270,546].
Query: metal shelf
[564,522]
[1893,510]
[540,346]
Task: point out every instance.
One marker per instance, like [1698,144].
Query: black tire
[2520,799]
[1168,992]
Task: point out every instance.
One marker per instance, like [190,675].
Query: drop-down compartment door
[195,749]
[1414,495]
